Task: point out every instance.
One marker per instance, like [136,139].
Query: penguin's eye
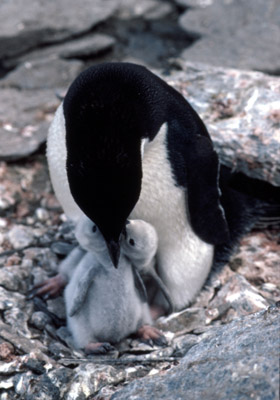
[94,229]
[131,241]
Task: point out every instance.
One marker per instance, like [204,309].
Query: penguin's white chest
[184,260]
[56,154]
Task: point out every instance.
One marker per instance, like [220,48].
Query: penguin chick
[140,243]
[52,287]
[102,303]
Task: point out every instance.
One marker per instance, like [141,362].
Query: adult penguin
[125,144]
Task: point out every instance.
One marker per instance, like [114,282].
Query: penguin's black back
[127,97]
[111,107]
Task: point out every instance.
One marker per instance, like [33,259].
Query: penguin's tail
[248,204]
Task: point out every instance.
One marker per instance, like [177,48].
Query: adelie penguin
[125,144]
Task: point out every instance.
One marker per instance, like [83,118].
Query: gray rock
[90,378]
[186,320]
[194,3]
[49,386]
[15,278]
[39,319]
[62,248]
[183,344]
[236,361]
[148,9]
[237,297]
[9,300]
[85,47]
[22,344]
[41,258]
[24,121]
[90,46]
[242,112]
[20,236]
[57,307]
[59,351]
[24,26]
[44,73]
[242,34]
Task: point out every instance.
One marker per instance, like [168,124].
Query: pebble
[6,351]
[42,214]
[20,236]
[39,319]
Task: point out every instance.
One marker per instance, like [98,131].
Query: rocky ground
[225,345]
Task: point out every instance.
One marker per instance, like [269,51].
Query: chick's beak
[114,251]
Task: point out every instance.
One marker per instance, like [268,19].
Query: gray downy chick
[102,303]
[140,242]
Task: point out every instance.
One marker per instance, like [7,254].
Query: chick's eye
[131,241]
[94,229]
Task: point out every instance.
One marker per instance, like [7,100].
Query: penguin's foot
[151,335]
[98,348]
[51,287]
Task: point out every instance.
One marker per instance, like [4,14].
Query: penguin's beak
[114,251]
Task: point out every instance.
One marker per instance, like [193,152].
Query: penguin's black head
[107,113]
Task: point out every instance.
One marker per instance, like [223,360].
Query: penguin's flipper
[81,290]
[139,284]
[206,213]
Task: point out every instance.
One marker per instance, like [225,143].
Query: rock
[241,110]
[90,378]
[59,351]
[40,257]
[24,121]
[42,214]
[15,278]
[161,10]
[243,34]
[21,236]
[57,307]
[43,73]
[194,3]
[237,297]
[62,248]
[240,360]
[24,26]
[47,386]
[258,261]
[9,300]
[22,344]
[89,46]
[7,352]
[39,319]
[148,9]
[183,344]
[186,320]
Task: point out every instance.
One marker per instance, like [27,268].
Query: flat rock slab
[24,121]
[25,25]
[242,112]
[241,34]
[43,73]
[236,361]
[82,48]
